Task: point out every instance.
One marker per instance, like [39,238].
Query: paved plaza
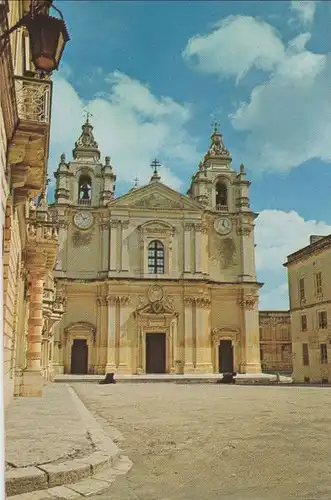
[212,442]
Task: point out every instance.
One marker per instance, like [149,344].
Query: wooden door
[225,356]
[79,357]
[155,353]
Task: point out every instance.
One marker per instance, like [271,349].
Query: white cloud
[278,234]
[287,119]
[304,11]
[238,44]
[130,124]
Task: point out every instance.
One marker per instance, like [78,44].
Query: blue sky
[155,74]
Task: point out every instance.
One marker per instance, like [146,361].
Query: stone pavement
[217,442]
[56,449]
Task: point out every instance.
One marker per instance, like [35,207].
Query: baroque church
[155,281]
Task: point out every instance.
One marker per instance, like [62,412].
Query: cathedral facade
[155,281]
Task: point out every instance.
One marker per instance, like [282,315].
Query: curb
[35,482]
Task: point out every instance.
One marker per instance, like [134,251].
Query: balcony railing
[222,208]
[33,97]
[84,202]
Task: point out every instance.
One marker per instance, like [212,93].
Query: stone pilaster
[32,377]
[125,246]
[188,248]
[114,226]
[245,231]
[111,335]
[198,352]
[250,345]
[189,334]
[104,236]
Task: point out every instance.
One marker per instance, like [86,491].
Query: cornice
[309,251]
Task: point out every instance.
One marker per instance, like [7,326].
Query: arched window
[221,196]
[156,257]
[84,190]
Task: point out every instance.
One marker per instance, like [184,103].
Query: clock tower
[84,186]
[223,192]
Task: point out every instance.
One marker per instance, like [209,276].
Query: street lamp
[48,37]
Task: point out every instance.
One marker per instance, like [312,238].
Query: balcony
[42,243]
[28,149]
[33,97]
[222,208]
[84,202]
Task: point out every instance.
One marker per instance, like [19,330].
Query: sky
[156,74]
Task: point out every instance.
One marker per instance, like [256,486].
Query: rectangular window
[302,288]
[322,319]
[318,283]
[305,354]
[324,353]
[303,323]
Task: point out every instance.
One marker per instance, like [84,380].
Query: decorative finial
[63,158]
[87,115]
[107,161]
[136,182]
[242,168]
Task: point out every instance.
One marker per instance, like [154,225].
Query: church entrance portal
[79,357]
[155,353]
[225,356]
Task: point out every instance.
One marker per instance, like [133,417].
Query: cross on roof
[215,125]
[136,180]
[155,163]
[87,114]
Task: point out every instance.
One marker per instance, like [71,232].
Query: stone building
[29,239]
[155,281]
[275,341]
[309,277]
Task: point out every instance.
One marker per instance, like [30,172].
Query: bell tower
[216,185]
[85,181]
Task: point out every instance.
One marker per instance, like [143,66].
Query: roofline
[321,244]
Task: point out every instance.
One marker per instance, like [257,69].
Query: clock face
[223,225]
[83,220]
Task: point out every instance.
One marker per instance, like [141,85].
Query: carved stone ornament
[201,227]
[225,333]
[248,302]
[157,201]
[155,293]
[198,301]
[244,230]
[227,253]
[123,300]
[81,239]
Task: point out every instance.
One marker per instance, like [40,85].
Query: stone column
[250,345]
[111,335]
[113,245]
[188,325]
[125,246]
[32,377]
[188,248]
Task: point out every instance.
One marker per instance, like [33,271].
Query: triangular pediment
[155,196]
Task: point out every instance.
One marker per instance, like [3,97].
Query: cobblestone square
[210,441]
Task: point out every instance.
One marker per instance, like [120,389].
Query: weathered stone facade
[309,277]
[275,341]
[29,239]
[155,281]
